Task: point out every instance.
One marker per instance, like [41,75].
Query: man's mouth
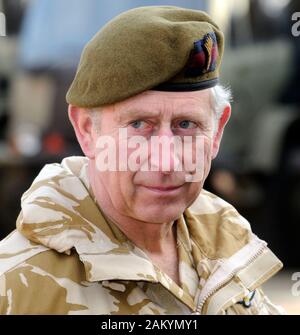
[163,189]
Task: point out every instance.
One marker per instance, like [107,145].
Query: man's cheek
[207,157]
[201,159]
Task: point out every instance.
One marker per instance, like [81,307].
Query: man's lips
[163,189]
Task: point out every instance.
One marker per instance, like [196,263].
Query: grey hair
[95,115]
[221,97]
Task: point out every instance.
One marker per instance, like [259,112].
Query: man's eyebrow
[144,113]
[136,113]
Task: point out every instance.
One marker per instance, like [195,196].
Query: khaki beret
[156,47]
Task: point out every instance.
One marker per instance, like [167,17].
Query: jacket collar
[60,213]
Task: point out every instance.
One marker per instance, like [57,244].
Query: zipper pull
[247,300]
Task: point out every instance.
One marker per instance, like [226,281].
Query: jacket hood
[59,210]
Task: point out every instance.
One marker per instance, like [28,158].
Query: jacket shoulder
[15,249]
[42,284]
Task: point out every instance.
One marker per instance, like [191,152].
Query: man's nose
[165,151]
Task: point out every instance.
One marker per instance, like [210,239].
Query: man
[128,229]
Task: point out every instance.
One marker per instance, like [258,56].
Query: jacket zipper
[228,276]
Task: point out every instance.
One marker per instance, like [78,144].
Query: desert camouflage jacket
[65,257]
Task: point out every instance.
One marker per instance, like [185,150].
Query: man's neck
[158,241]
[153,238]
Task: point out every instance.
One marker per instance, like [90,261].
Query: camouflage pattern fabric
[66,257]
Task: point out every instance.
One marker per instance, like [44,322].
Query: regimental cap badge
[203,57]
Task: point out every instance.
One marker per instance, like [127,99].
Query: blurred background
[258,167]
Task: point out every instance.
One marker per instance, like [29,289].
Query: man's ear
[82,124]
[221,125]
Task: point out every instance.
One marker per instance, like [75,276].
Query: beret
[155,47]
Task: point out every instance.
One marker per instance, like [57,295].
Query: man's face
[161,195]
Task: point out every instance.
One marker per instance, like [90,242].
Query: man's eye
[138,124]
[186,124]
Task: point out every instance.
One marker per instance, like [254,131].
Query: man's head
[158,194]
[168,96]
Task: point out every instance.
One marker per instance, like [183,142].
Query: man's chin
[160,215]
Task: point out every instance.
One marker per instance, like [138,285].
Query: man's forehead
[160,101]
